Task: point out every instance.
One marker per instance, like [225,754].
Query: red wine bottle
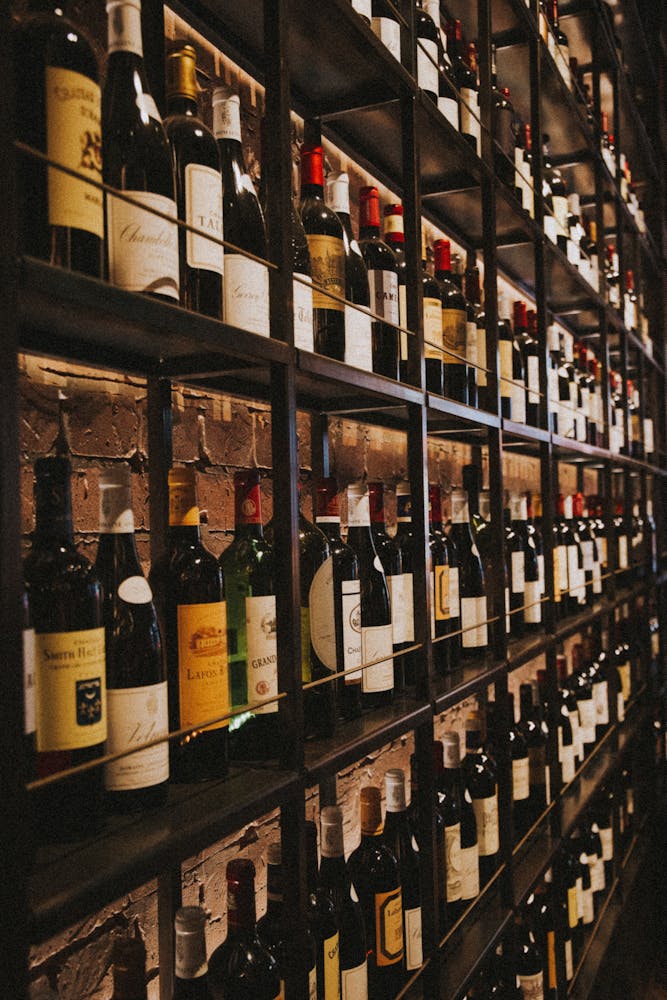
[389,554]
[455,370]
[472,586]
[136,674]
[198,187]
[445,607]
[66,603]
[191,596]
[383,282]
[324,232]
[142,247]
[60,216]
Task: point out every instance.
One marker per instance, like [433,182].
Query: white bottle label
[427,64]
[518,572]
[587,719]
[567,763]
[481,357]
[137,715]
[587,552]
[124,29]
[580,897]
[260,617]
[597,874]
[376,642]
[563,559]
[203,210]
[454,597]
[354,983]
[363,8]
[589,906]
[550,227]
[142,247]
[622,552]
[569,960]
[413,938]
[607,839]
[246,294]
[620,706]
[601,699]
[470,123]
[469,872]
[135,590]
[532,987]
[505,370]
[227,118]
[321,614]
[520,779]
[486,816]
[29,709]
[351,607]
[389,32]
[473,612]
[453,859]
[518,394]
[533,379]
[597,577]
[358,339]
[533,607]
[402,609]
[449,108]
[383,287]
[302,295]
[573,569]
[649,445]
[471,346]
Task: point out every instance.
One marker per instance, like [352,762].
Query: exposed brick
[38,427]
[101,424]
[228,432]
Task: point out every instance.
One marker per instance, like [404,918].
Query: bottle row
[183,222]
[115,662]
[363,935]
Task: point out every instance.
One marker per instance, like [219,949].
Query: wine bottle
[462,877]
[520,775]
[455,370]
[394,236]
[529,961]
[472,588]
[142,247]
[246,281]
[505,356]
[198,187]
[532,577]
[516,559]
[60,216]
[519,363]
[136,675]
[476,332]
[339,648]
[65,597]
[402,603]
[376,878]
[335,880]
[466,81]
[387,27]
[191,596]
[389,554]
[326,243]
[242,968]
[191,966]
[323,923]
[428,36]
[445,604]
[432,317]
[377,685]
[383,283]
[479,773]
[540,915]
[248,569]
[400,840]
[128,957]
[536,734]
[363,9]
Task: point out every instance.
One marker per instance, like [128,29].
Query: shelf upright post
[153,33]
[285,457]
[15,836]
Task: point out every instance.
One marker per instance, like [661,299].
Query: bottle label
[473,613]
[567,763]
[573,569]
[383,287]
[302,297]
[481,357]
[624,673]
[569,960]
[449,108]
[358,339]
[563,567]
[587,551]
[620,707]
[518,572]
[550,227]
[312,984]
[454,336]
[518,394]
[376,642]
[486,816]
[441,593]
[520,779]
[572,907]
[135,590]
[433,328]
[532,987]
[183,509]
[454,600]
[413,939]
[505,370]
[351,607]
[203,674]
[70,690]
[533,606]
[453,861]
[354,983]
[589,907]
[388,927]
[227,119]
[331,956]
[327,265]
[597,578]
[469,872]
[358,510]
[74,139]
[597,874]
[29,706]
[586,708]
[460,513]
[607,840]
[246,294]
[322,618]
[143,248]
[402,608]
[622,552]
[137,715]
[471,346]
[601,700]
[125,29]
[470,123]
[260,619]
[203,210]
[533,379]
[551,959]
[389,32]
[427,65]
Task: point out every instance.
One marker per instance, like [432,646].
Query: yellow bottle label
[441,595]
[183,509]
[71,689]
[454,335]
[505,367]
[327,263]
[388,927]
[551,956]
[281,995]
[74,139]
[331,968]
[203,668]
[572,907]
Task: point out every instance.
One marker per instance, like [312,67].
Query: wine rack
[323,62]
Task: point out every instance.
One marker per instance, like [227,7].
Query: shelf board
[356,737]
[525,433]
[469,948]
[70,881]
[446,416]
[465,682]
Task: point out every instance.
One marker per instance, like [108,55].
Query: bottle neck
[125,29]
[179,104]
[241,909]
[312,191]
[369,232]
